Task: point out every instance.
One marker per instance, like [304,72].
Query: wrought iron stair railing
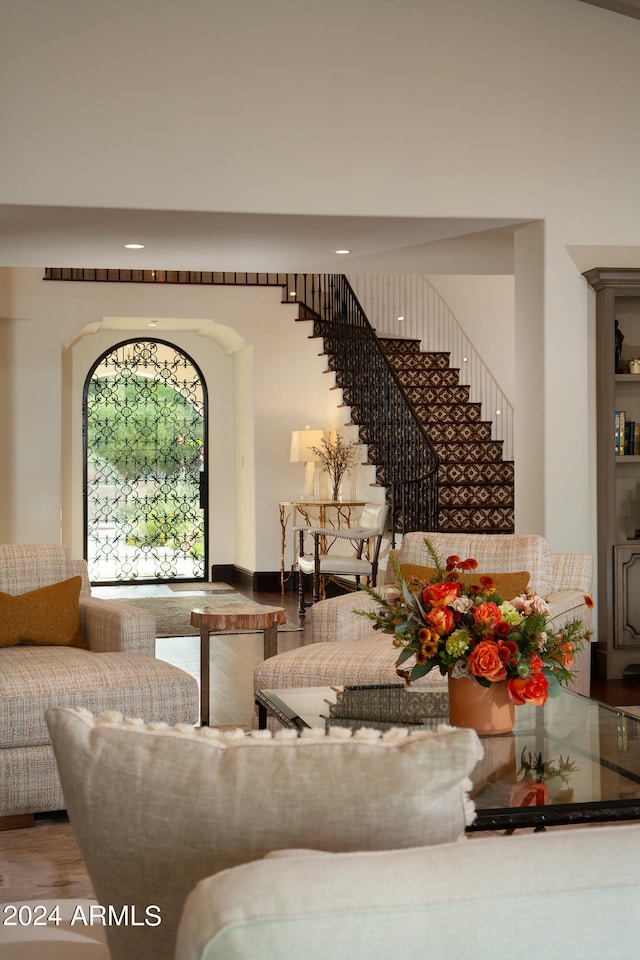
[396,439]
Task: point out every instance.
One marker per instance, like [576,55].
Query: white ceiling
[178,240]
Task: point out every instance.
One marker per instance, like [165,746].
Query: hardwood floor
[44,862]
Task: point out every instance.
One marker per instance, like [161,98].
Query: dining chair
[321,563]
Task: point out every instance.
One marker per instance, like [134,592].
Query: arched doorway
[145,462]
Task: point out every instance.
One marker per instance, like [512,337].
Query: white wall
[484,308]
[507,108]
[529,391]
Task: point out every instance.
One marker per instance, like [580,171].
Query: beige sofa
[567,893]
[345,650]
[116,669]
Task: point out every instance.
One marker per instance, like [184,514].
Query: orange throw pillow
[49,616]
[508,585]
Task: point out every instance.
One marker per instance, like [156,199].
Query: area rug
[173,613]
[52,930]
[192,585]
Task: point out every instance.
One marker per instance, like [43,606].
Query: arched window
[145,459]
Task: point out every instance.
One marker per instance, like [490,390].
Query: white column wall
[529,397]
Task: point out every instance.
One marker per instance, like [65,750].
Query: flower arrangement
[539,780]
[466,629]
[336,456]
[534,769]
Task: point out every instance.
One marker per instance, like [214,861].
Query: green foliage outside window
[143,427]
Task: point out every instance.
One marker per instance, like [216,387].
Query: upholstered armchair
[345,649]
[59,646]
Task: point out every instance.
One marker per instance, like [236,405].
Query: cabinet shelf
[618,489]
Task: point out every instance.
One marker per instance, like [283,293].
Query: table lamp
[301,452]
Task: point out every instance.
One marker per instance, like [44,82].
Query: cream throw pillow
[156,809]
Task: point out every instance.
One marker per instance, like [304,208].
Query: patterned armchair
[109,665]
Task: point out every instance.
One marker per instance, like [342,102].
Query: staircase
[475,485]
[474,491]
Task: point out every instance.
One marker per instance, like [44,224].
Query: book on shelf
[620,418]
[629,438]
[626,435]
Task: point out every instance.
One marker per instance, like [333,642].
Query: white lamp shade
[301,452]
[301,443]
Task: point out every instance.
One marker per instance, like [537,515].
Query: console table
[319,513]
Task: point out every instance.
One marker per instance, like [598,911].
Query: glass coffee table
[572,761]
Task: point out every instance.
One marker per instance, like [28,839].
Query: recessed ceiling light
[134,246]
[342,252]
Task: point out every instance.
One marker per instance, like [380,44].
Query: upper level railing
[410,306]
[396,439]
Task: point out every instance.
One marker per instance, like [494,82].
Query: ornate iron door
[144,418]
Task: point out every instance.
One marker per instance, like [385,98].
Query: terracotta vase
[487,710]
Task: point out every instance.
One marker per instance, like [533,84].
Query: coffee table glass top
[574,760]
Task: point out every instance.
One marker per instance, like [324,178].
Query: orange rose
[487,614]
[441,594]
[485,662]
[529,690]
[440,619]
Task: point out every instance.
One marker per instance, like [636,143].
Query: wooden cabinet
[626,579]
[618,476]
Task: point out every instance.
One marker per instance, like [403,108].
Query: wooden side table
[220,619]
